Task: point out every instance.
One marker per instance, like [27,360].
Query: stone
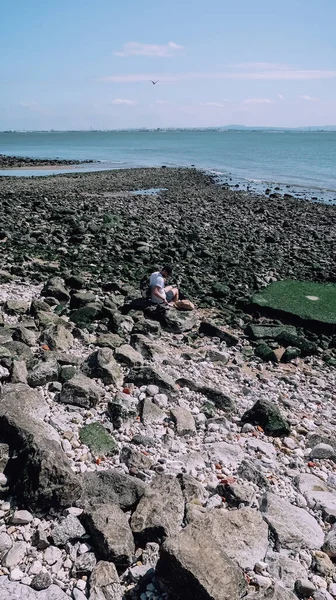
[21,517]
[220,400]
[135,459]
[267,415]
[17,307]
[109,340]
[81,391]
[101,364]
[16,591]
[41,581]
[322,564]
[15,555]
[43,373]
[150,413]
[111,487]
[86,314]
[224,453]
[126,355]
[67,372]
[81,299]
[41,473]
[27,336]
[19,372]
[329,546]
[322,451]
[266,353]
[214,355]
[70,528]
[317,493]
[192,565]
[110,534]
[120,324]
[5,544]
[211,330]
[185,422]
[84,564]
[273,332]
[55,288]
[104,582]
[304,588]
[276,592]
[251,472]
[293,528]
[52,555]
[16,574]
[236,493]
[160,511]
[178,322]
[58,337]
[322,595]
[151,375]
[122,408]
[286,569]
[193,490]
[150,350]
[19,351]
[97,438]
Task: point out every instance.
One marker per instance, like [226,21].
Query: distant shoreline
[25,162]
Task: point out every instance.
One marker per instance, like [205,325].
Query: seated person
[159,293]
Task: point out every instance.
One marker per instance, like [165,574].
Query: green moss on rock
[98,439]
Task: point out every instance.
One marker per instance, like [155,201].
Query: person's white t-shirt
[157,280]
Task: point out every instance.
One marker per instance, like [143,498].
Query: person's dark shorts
[169,296]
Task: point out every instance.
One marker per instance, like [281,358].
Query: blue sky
[76,64]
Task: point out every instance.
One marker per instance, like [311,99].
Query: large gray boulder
[81,391]
[40,474]
[277,592]
[12,590]
[104,582]
[102,365]
[193,566]
[152,375]
[111,487]
[316,492]
[160,511]
[58,337]
[43,372]
[110,534]
[293,527]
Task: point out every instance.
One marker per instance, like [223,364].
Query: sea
[299,162]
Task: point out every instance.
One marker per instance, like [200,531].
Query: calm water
[298,159]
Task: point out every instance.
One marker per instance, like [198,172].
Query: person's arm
[159,293]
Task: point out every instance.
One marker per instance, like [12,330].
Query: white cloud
[258,101]
[162,102]
[214,104]
[281,97]
[275,75]
[154,50]
[30,105]
[308,98]
[123,101]
[260,65]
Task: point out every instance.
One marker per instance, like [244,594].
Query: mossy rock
[98,439]
[312,303]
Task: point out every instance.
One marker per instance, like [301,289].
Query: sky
[78,64]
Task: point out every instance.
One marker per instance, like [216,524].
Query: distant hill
[311,128]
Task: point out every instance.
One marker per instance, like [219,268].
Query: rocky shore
[149,456]
[20,162]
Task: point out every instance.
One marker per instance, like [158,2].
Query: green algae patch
[98,439]
[309,301]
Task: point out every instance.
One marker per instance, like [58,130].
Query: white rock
[81,585]
[15,555]
[74,511]
[84,548]
[52,555]
[16,574]
[22,517]
[3,479]
[35,568]
[152,390]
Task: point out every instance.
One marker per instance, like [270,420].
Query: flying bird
[154,82]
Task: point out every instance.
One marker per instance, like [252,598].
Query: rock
[317,493]
[322,564]
[178,322]
[109,340]
[122,408]
[96,437]
[192,489]
[55,288]
[236,493]
[17,307]
[216,356]
[268,416]
[160,511]
[286,569]
[19,351]
[58,337]
[67,372]
[128,356]
[81,299]
[322,595]
[212,330]
[276,592]
[322,451]
[151,375]
[21,517]
[220,400]
[22,334]
[40,474]
[120,324]
[104,582]
[111,487]
[150,413]
[84,564]
[185,422]
[135,459]
[110,533]
[225,453]
[81,391]
[294,528]
[290,354]
[329,546]
[43,373]
[69,528]
[16,591]
[15,555]
[86,314]
[192,565]
[5,544]
[19,372]
[52,555]
[148,348]
[272,332]
[41,581]
[102,365]
[249,470]
[304,588]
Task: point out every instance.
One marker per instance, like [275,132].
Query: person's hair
[168,269]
